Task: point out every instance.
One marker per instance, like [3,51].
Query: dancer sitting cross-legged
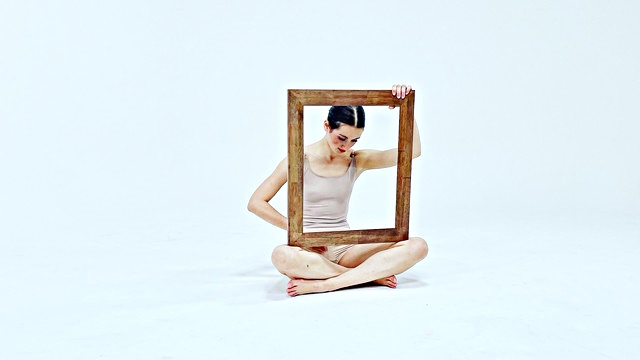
[331,167]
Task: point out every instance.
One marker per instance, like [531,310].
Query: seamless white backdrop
[123,112]
[130,120]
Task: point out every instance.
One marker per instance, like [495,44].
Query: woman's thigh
[357,254]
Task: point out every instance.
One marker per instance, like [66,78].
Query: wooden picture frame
[297,99]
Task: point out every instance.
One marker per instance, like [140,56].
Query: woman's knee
[282,256]
[418,248]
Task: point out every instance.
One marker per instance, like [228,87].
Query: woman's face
[343,138]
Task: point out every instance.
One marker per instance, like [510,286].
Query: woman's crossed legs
[311,272]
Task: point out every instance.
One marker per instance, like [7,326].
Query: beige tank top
[326,198]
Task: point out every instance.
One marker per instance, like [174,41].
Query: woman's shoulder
[363,155]
[371,159]
[282,167]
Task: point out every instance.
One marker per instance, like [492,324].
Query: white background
[132,134]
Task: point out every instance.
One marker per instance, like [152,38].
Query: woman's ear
[326,125]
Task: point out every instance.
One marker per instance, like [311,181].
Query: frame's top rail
[345,97]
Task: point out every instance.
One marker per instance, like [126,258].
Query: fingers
[400,91]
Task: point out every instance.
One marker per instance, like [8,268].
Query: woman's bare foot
[389,281]
[302,286]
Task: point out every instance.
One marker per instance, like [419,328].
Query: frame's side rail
[405,155]
[295,159]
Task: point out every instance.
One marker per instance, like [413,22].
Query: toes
[292,289]
[291,285]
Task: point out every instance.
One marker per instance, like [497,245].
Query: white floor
[509,292]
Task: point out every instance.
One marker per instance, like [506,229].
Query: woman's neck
[322,150]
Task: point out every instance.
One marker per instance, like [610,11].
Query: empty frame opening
[373,199]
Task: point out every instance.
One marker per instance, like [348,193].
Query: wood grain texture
[297,99]
[346,97]
[405,155]
[366,236]
[295,160]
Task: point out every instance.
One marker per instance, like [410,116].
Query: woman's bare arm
[259,201]
[376,159]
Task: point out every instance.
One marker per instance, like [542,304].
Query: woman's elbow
[252,205]
[416,153]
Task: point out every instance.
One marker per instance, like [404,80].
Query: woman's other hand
[318,249]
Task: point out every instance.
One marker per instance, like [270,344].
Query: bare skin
[315,266]
[297,287]
[360,264]
[311,272]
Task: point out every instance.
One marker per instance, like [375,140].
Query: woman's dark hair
[349,115]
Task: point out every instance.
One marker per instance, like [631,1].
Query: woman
[330,169]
